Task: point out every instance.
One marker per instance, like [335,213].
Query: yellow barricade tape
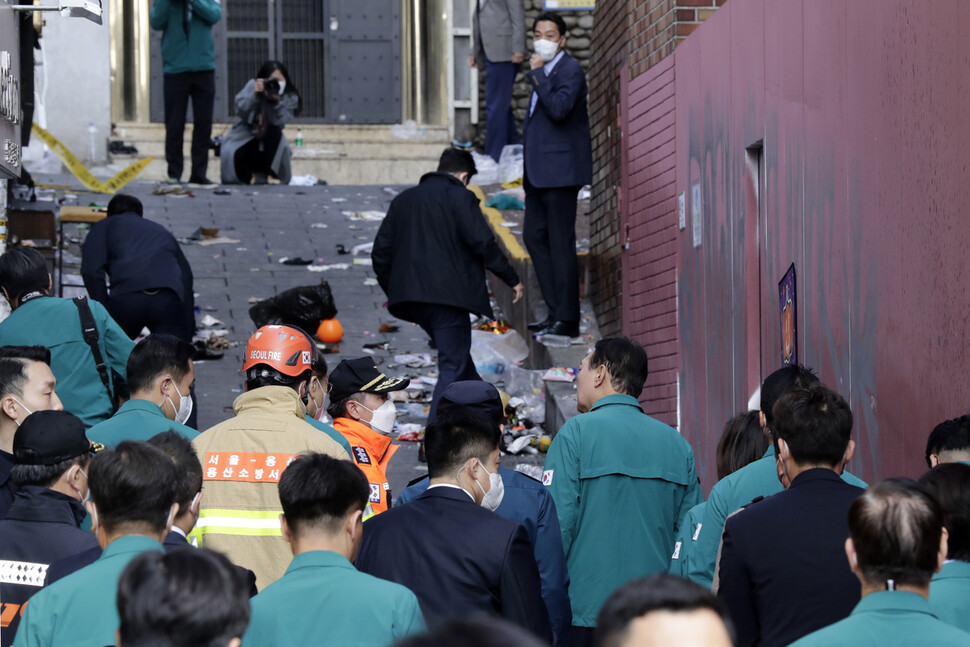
[82,173]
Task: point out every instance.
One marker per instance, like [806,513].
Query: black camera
[271,88]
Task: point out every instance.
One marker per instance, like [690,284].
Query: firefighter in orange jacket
[364,414]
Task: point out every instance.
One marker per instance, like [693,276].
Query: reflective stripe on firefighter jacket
[242,459]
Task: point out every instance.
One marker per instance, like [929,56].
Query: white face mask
[546,49]
[496,491]
[282,87]
[383,417]
[185,405]
[24,408]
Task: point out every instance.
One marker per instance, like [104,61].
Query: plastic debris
[560,374]
[370,281]
[327,268]
[414,361]
[363,248]
[303,180]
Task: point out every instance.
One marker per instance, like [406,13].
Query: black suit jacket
[556,145]
[783,571]
[434,247]
[173,541]
[458,558]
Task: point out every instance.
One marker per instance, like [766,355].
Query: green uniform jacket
[728,495]
[330,431]
[322,597]
[950,594]
[622,482]
[55,323]
[887,619]
[684,541]
[80,610]
[136,420]
[181,52]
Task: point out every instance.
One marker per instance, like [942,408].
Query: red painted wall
[858,106]
[648,204]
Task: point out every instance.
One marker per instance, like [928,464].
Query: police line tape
[82,173]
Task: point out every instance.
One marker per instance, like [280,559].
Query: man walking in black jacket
[430,257]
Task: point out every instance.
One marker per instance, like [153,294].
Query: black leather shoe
[536,326]
[564,328]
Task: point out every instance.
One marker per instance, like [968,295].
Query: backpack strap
[90,331]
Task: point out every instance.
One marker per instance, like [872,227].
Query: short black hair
[14,361]
[23,270]
[46,475]
[660,592]
[950,435]
[133,484]
[188,469]
[155,355]
[30,353]
[319,365]
[455,160]
[122,203]
[781,382]
[896,526]
[454,437]
[949,483]
[188,596]
[318,492]
[742,442]
[476,631]
[815,422]
[550,17]
[625,361]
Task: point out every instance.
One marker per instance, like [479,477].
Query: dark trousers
[499,123]
[550,236]
[580,636]
[451,332]
[256,155]
[162,313]
[178,89]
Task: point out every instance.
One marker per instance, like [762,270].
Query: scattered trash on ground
[304,180]
[327,268]
[303,306]
[560,374]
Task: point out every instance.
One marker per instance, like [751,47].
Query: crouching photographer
[255,147]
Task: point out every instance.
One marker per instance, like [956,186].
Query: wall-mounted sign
[568,5]
[682,211]
[789,318]
[696,213]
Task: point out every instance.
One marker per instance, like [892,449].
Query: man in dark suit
[498,35]
[447,546]
[782,571]
[558,161]
[430,256]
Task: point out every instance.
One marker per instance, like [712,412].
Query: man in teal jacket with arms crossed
[621,480]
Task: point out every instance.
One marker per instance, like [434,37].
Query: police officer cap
[476,396]
[361,376]
[50,437]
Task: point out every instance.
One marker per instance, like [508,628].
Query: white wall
[78,81]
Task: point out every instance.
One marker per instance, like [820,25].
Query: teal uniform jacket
[81,610]
[322,597]
[186,52]
[728,495]
[950,594]
[55,323]
[887,619]
[684,541]
[622,482]
[136,420]
[333,433]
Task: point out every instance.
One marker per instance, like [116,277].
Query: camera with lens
[271,88]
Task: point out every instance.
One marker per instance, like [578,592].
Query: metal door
[364,71]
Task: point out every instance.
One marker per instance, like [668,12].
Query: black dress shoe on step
[536,326]
[564,328]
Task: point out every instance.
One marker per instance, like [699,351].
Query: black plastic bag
[304,306]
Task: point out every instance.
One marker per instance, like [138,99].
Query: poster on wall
[568,5]
[789,319]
